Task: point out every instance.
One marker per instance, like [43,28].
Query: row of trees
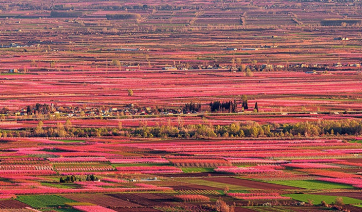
[39,109]
[72,179]
[192,107]
[69,179]
[325,127]
[66,14]
[229,106]
[45,111]
[122,16]
[205,130]
[253,129]
[4,110]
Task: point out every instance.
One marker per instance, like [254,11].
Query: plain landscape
[170,106]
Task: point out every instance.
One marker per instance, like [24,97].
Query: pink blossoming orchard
[171,106]
[245,171]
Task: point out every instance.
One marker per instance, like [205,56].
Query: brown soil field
[239,209]
[144,199]
[352,194]
[192,187]
[12,204]
[204,174]
[354,160]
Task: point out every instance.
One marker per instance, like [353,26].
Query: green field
[11,73]
[62,185]
[139,164]
[196,170]
[312,184]
[71,141]
[44,201]
[268,209]
[220,186]
[356,141]
[317,199]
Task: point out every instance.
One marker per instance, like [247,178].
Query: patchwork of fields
[183,173]
[173,106]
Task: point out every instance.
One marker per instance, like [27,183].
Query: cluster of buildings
[250,49]
[15,45]
[96,111]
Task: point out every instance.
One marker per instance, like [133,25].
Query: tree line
[232,106]
[204,130]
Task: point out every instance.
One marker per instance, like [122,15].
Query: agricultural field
[168,106]
[239,173]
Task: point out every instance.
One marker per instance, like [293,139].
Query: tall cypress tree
[244,98]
